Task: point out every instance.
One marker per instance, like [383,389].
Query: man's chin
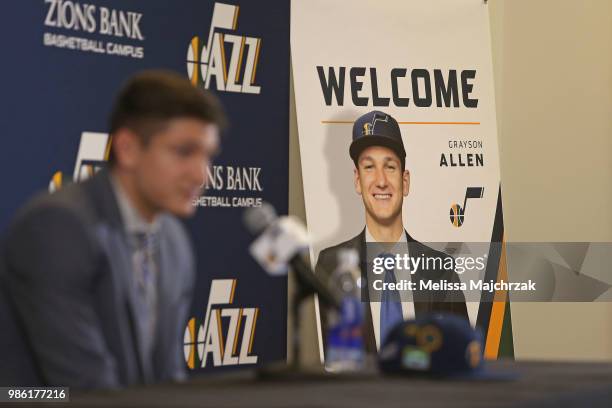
[384,217]
[183,211]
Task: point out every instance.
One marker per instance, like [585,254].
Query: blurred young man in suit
[382,181]
[101,273]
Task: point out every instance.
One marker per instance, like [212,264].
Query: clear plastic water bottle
[345,351]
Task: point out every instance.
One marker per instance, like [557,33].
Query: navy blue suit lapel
[119,258]
[423,301]
[166,326]
[368,336]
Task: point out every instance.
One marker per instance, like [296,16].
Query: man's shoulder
[56,228]
[354,243]
[72,214]
[328,257]
[423,249]
[69,202]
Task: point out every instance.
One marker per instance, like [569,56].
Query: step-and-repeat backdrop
[64,61]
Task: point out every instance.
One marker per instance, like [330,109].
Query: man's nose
[381,178]
[199,171]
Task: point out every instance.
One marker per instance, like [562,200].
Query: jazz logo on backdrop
[227,332]
[208,63]
[457,212]
[92,155]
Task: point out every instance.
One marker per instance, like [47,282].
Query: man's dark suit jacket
[69,275]
[424,301]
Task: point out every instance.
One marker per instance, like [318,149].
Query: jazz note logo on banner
[92,155]
[223,328]
[457,212]
[208,63]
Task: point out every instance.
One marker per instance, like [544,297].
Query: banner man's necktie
[390,306]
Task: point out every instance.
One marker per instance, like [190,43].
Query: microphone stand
[295,370]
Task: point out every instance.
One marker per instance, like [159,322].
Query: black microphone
[259,220]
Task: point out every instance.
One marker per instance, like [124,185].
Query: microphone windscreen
[258,219]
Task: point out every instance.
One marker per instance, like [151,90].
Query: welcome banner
[428,65]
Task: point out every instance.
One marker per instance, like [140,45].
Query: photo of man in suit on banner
[382,180]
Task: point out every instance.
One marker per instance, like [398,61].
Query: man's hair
[152,98]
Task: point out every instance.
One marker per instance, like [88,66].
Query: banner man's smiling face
[382,184]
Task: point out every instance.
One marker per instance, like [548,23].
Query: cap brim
[362,143]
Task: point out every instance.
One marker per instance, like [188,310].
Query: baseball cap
[438,345]
[376,128]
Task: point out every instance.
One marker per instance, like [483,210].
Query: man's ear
[126,147]
[356,181]
[406,182]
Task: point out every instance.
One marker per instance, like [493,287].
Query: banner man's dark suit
[70,278]
[424,301]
